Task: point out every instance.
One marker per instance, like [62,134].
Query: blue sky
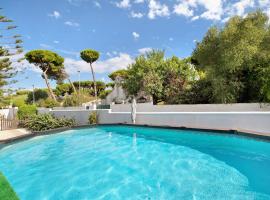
[119,29]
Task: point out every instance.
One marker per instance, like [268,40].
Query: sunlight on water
[121,162]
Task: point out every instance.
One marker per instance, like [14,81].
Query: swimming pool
[126,162]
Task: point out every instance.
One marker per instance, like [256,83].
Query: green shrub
[18,100]
[104,94]
[76,99]
[48,103]
[38,93]
[93,118]
[45,122]
[22,92]
[26,111]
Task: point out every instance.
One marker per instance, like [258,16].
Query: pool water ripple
[121,162]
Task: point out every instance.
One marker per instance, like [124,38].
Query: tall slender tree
[10,45]
[51,65]
[90,56]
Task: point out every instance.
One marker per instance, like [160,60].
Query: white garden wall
[9,113]
[169,115]
[148,107]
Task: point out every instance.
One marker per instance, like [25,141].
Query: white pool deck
[13,134]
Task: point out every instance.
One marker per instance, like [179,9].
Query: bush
[48,103]
[93,118]
[26,111]
[22,92]
[75,99]
[104,94]
[39,94]
[47,122]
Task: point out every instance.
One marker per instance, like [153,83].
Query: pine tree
[10,45]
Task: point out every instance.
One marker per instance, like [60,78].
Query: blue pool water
[124,162]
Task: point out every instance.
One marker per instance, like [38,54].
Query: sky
[119,29]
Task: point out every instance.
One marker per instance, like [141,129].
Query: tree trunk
[94,80]
[73,87]
[48,86]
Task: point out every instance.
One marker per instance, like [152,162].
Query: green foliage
[104,94]
[63,88]
[7,71]
[47,61]
[199,93]
[26,111]
[236,59]
[101,86]
[18,100]
[110,85]
[6,191]
[77,99]
[50,63]
[163,79]
[47,122]
[89,55]
[22,92]
[119,73]
[93,118]
[38,93]
[47,103]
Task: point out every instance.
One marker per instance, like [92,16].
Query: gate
[6,124]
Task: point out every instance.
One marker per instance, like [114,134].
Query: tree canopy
[236,59]
[89,55]
[163,79]
[51,65]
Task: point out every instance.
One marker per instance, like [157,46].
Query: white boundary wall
[254,121]
[239,107]
[9,113]
[258,122]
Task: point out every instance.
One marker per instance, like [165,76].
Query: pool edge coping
[243,133]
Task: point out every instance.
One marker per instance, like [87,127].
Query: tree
[119,73]
[90,56]
[51,65]
[236,59]
[145,75]
[38,94]
[164,79]
[10,45]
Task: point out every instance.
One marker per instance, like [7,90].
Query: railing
[6,124]
[103,106]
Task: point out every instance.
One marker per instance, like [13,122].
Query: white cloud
[138,1]
[195,18]
[55,14]
[120,61]
[171,39]
[123,4]
[217,10]
[56,42]
[97,4]
[183,9]
[144,50]
[136,14]
[135,35]
[74,24]
[239,7]
[157,9]
[46,46]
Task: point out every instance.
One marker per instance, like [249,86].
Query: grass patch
[6,192]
